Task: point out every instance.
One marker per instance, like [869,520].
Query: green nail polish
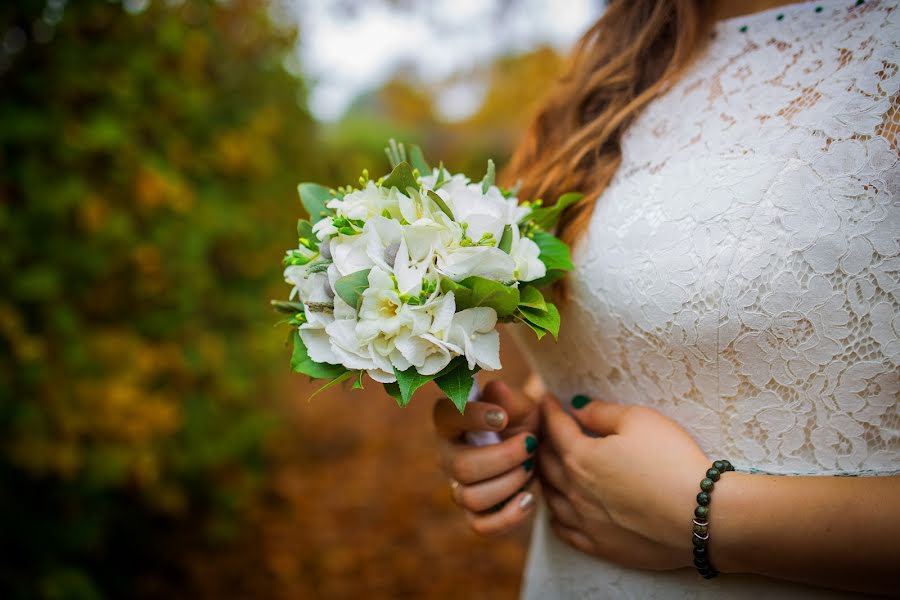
[531,444]
[528,465]
[580,401]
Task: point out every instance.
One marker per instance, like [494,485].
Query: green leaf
[409,381]
[547,218]
[529,296]
[396,153]
[418,160]
[305,232]
[440,178]
[314,198]
[358,384]
[489,177]
[462,294]
[506,239]
[333,382]
[393,390]
[546,319]
[554,252]
[350,287]
[288,308]
[457,383]
[302,363]
[538,331]
[485,292]
[441,204]
[401,178]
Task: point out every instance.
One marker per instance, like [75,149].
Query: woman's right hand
[493,484]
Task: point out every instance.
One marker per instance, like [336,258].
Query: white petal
[381,376]
[485,348]
[350,254]
[480,319]
[487,262]
[318,345]
[409,275]
[414,349]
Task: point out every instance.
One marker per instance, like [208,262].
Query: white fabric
[741,273]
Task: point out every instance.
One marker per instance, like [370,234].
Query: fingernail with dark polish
[528,465]
[494,418]
[580,401]
[531,444]
[526,501]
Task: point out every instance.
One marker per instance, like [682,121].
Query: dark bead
[713,474]
[710,575]
[701,563]
[707,485]
[700,552]
[701,512]
[728,465]
[701,529]
[699,542]
[719,464]
[703,498]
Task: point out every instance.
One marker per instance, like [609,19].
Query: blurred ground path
[356,507]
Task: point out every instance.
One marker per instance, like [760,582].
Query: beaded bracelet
[700,534]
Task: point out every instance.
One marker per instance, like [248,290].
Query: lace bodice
[741,273]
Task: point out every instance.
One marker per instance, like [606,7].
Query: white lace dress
[742,272]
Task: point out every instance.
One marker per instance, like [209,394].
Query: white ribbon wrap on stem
[480,438]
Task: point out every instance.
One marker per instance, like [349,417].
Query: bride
[736,297]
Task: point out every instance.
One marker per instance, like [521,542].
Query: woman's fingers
[486,494]
[513,513]
[573,537]
[521,410]
[471,464]
[562,431]
[552,470]
[604,418]
[560,508]
[478,416]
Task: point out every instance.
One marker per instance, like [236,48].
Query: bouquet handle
[480,438]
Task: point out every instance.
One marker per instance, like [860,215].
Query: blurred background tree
[146,162]
[149,156]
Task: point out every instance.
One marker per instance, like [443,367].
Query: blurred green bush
[148,163]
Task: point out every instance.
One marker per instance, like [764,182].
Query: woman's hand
[628,496]
[484,478]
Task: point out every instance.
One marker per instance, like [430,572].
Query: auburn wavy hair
[625,60]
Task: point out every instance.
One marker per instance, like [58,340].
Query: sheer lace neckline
[769,16]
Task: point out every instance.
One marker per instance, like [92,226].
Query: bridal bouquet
[405,277]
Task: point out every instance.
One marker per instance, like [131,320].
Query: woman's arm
[629,497]
[841,532]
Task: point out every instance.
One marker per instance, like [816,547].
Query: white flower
[366,203]
[385,320]
[428,351]
[473,330]
[351,253]
[485,213]
[450,181]
[324,228]
[526,254]
[484,261]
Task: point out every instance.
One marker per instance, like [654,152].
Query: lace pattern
[741,273]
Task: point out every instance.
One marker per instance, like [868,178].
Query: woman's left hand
[628,496]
